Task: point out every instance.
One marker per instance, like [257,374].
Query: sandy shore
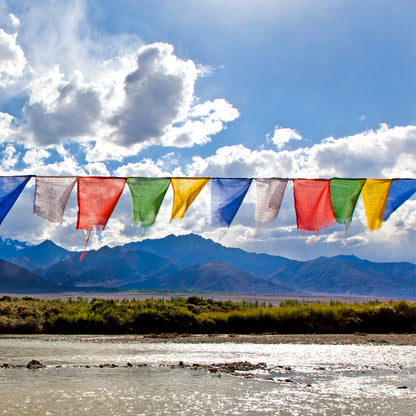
[321,339]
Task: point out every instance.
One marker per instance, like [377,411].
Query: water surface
[301,380]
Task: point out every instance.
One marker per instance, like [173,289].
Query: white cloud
[386,152]
[68,166]
[60,110]
[97,169]
[218,109]
[204,120]
[12,59]
[145,167]
[283,135]
[7,127]
[9,158]
[158,93]
[239,161]
[158,105]
[14,21]
[33,158]
[55,32]
[18,160]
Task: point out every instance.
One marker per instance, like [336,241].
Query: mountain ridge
[161,263]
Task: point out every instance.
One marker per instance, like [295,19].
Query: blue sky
[218,88]
[326,69]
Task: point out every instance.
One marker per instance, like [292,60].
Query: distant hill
[111,268]
[218,276]
[339,277]
[14,279]
[66,271]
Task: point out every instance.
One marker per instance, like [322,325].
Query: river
[120,376]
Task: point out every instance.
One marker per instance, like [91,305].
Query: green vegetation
[199,315]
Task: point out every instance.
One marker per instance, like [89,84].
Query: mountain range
[191,262]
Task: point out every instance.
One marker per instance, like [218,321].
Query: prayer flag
[375,193]
[270,193]
[400,191]
[147,196]
[10,189]
[97,198]
[344,197]
[313,204]
[185,190]
[226,198]
[51,196]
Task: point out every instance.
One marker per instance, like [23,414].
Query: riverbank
[301,339]
[196,315]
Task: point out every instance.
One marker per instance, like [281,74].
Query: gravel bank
[321,339]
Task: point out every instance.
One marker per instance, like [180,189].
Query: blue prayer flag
[10,189]
[400,191]
[226,198]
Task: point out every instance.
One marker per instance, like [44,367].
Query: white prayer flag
[51,196]
[270,193]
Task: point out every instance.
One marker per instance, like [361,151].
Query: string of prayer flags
[97,198]
[319,203]
[147,196]
[10,189]
[375,193]
[51,196]
[269,192]
[344,197]
[185,190]
[400,191]
[313,204]
[226,198]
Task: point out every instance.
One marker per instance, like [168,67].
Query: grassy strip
[197,315]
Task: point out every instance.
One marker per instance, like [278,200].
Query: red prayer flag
[313,204]
[97,198]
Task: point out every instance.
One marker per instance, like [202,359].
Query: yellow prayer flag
[375,193]
[185,190]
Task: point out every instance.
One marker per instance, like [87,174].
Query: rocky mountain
[193,250]
[10,248]
[40,256]
[15,279]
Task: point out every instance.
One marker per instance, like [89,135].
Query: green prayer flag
[147,196]
[344,197]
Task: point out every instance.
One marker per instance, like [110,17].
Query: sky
[222,88]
